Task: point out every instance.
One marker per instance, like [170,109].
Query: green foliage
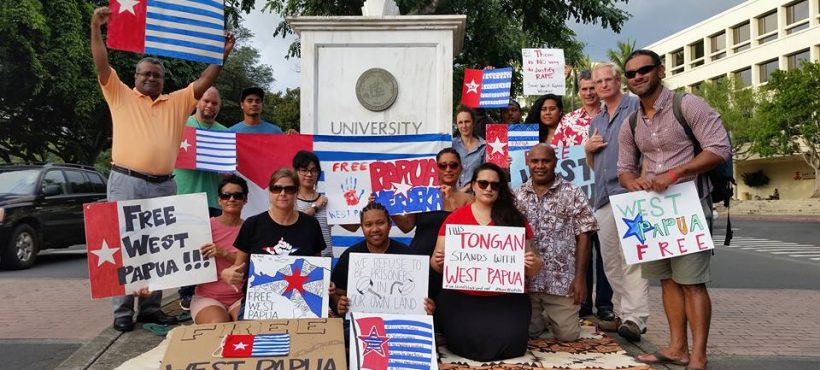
[242,70]
[738,109]
[285,107]
[755,179]
[618,57]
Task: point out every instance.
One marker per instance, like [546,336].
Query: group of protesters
[633,143]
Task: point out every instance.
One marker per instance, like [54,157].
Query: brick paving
[752,322]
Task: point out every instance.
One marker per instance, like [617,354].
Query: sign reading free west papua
[147,243]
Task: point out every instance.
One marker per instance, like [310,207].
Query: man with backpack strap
[668,156]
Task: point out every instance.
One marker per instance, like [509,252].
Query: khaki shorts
[688,269]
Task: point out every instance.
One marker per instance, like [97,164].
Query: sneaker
[630,331]
[610,325]
[185,303]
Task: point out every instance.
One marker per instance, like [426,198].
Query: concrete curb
[789,218]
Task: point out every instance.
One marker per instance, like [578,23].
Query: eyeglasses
[305,171]
[288,189]
[451,165]
[494,185]
[236,196]
[156,75]
[643,70]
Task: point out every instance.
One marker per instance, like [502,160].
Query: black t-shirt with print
[260,235]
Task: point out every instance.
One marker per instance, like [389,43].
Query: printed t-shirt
[339,275]
[259,235]
[223,236]
[465,216]
[197,181]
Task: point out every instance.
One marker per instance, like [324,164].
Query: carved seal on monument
[377,89]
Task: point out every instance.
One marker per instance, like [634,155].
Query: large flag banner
[487,88]
[543,71]
[387,283]
[484,258]
[207,150]
[287,287]
[189,29]
[503,140]
[384,341]
[295,344]
[654,226]
[147,243]
[341,238]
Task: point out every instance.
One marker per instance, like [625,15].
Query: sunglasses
[305,171]
[451,165]
[288,189]
[235,196]
[494,185]
[643,70]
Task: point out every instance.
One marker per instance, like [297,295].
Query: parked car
[41,207]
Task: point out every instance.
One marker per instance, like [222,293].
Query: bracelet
[674,175]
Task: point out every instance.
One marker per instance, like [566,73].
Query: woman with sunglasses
[427,224]
[546,112]
[308,200]
[281,230]
[216,302]
[470,147]
[500,320]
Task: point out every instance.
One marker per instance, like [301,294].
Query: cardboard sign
[403,186]
[147,243]
[315,344]
[655,226]
[484,258]
[487,88]
[543,71]
[284,287]
[387,283]
[381,342]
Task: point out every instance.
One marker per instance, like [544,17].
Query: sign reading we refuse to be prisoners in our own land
[484,258]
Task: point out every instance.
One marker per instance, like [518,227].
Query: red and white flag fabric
[184,29]
[390,341]
[488,88]
[207,150]
[259,345]
[503,140]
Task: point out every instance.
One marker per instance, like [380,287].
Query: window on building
[767,28]
[695,88]
[744,77]
[797,16]
[793,61]
[677,61]
[696,52]
[767,68]
[742,34]
[718,43]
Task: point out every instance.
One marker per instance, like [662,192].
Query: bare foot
[664,356]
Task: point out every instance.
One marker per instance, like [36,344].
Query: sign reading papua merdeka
[654,226]
[543,71]
[287,287]
[387,283]
[484,258]
[147,243]
[488,88]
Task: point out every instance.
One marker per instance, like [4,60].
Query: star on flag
[497,145]
[472,87]
[127,5]
[239,346]
[105,254]
[295,281]
[373,342]
[184,145]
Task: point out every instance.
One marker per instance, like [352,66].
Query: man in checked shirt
[669,158]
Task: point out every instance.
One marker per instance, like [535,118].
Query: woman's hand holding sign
[234,275]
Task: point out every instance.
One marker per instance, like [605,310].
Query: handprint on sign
[349,190]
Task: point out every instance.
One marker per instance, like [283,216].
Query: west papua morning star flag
[385,341]
[521,137]
[259,345]
[489,88]
[207,150]
[503,139]
[184,29]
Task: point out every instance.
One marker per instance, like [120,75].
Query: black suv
[41,207]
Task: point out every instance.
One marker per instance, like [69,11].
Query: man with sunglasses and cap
[146,137]
[251,101]
[562,222]
[669,157]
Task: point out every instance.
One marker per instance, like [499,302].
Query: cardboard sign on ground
[315,344]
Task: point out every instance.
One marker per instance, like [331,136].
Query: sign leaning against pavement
[654,226]
[147,243]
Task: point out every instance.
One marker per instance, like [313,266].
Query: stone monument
[378,74]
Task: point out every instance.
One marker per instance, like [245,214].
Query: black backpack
[720,176]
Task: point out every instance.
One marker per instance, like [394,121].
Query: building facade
[748,42]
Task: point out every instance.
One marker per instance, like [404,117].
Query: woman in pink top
[217,301]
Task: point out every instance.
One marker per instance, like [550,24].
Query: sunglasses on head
[643,70]
[288,189]
[451,165]
[236,196]
[494,185]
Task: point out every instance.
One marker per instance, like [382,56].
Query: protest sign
[654,226]
[313,344]
[285,287]
[147,243]
[572,166]
[504,140]
[543,71]
[384,341]
[387,283]
[487,88]
[484,258]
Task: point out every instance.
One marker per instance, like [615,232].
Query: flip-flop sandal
[157,329]
[660,358]
[184,316]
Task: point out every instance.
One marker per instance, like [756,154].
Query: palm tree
[619,55]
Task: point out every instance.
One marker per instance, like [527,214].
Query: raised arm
[98,49]
[209,75]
